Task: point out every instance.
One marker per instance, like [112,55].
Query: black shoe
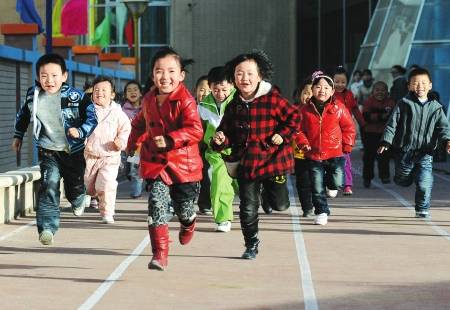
[367,183]
[308,213]
[250,252]
[268,210]
[385,181]
[205,211]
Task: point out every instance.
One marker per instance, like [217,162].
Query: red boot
[186,233]
[159,237]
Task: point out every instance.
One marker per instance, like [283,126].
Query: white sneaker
[224,226]
[332,193]
[108,219]
[321,219]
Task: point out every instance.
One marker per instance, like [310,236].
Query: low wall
[18,192]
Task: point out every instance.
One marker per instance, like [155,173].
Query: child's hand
[160,142]
[448,147]
[277,139]
[381,149]
[305,148]
[16,145]
[73,133]
[219,138]
[117,144]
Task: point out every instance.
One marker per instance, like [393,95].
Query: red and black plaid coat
[249,127]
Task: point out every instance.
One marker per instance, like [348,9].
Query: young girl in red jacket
[326,133]
[169,157]
[345,96]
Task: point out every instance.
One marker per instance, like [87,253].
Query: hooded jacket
[249,127]
[77,111]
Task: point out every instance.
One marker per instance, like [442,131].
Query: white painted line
[114,276]
[309,294]
[409,206]
[17,230]
[440,176]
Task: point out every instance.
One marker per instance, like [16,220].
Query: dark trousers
[204,198]
[371,142]
[303,184]
[54,166]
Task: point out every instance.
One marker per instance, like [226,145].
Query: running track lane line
[309,294]
[17,230]
[114,276]
[408,206]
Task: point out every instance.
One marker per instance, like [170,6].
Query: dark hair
[419,71]
[357,71]
[51,59]
[200,79]
[132,82]
[399,68]
[265,67]
[296,93]
[217,75]
[87,84]
[104,78]
[166,51]
[340,70]
[367,71]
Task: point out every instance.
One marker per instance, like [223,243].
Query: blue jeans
[334,169]
[413,166]
[136,180]
[54,166]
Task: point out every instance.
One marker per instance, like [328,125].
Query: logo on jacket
[74,96]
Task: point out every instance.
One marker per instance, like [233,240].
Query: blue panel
[436,59]
[434,22]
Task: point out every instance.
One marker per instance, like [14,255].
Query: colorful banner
[74,17]
[28,13]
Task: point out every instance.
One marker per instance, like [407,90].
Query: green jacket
[211,117]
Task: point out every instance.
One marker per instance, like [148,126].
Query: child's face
[132,93]
[202,90]
[167,74]
[103,94]
[322,91]
[247,78]
[357,77]
[420,85]
[51,77]
[306,94]
[221,91]
[340,82]
[380,92]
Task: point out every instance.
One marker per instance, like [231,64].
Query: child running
[257,125]
[204,198]
[211,110]
[345,96]
[302,180]
[326,132]
[131,107]
[170,158]
[417,124]
[376,111]
[63,118]
[102,152]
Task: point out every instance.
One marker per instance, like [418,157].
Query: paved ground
[373,254]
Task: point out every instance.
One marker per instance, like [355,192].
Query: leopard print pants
[161,197]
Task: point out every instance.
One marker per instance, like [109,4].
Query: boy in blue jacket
[417,124]
[62,118]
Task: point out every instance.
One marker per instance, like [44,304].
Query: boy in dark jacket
[63,118]
[416,125]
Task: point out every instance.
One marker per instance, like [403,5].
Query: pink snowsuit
[102,160]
